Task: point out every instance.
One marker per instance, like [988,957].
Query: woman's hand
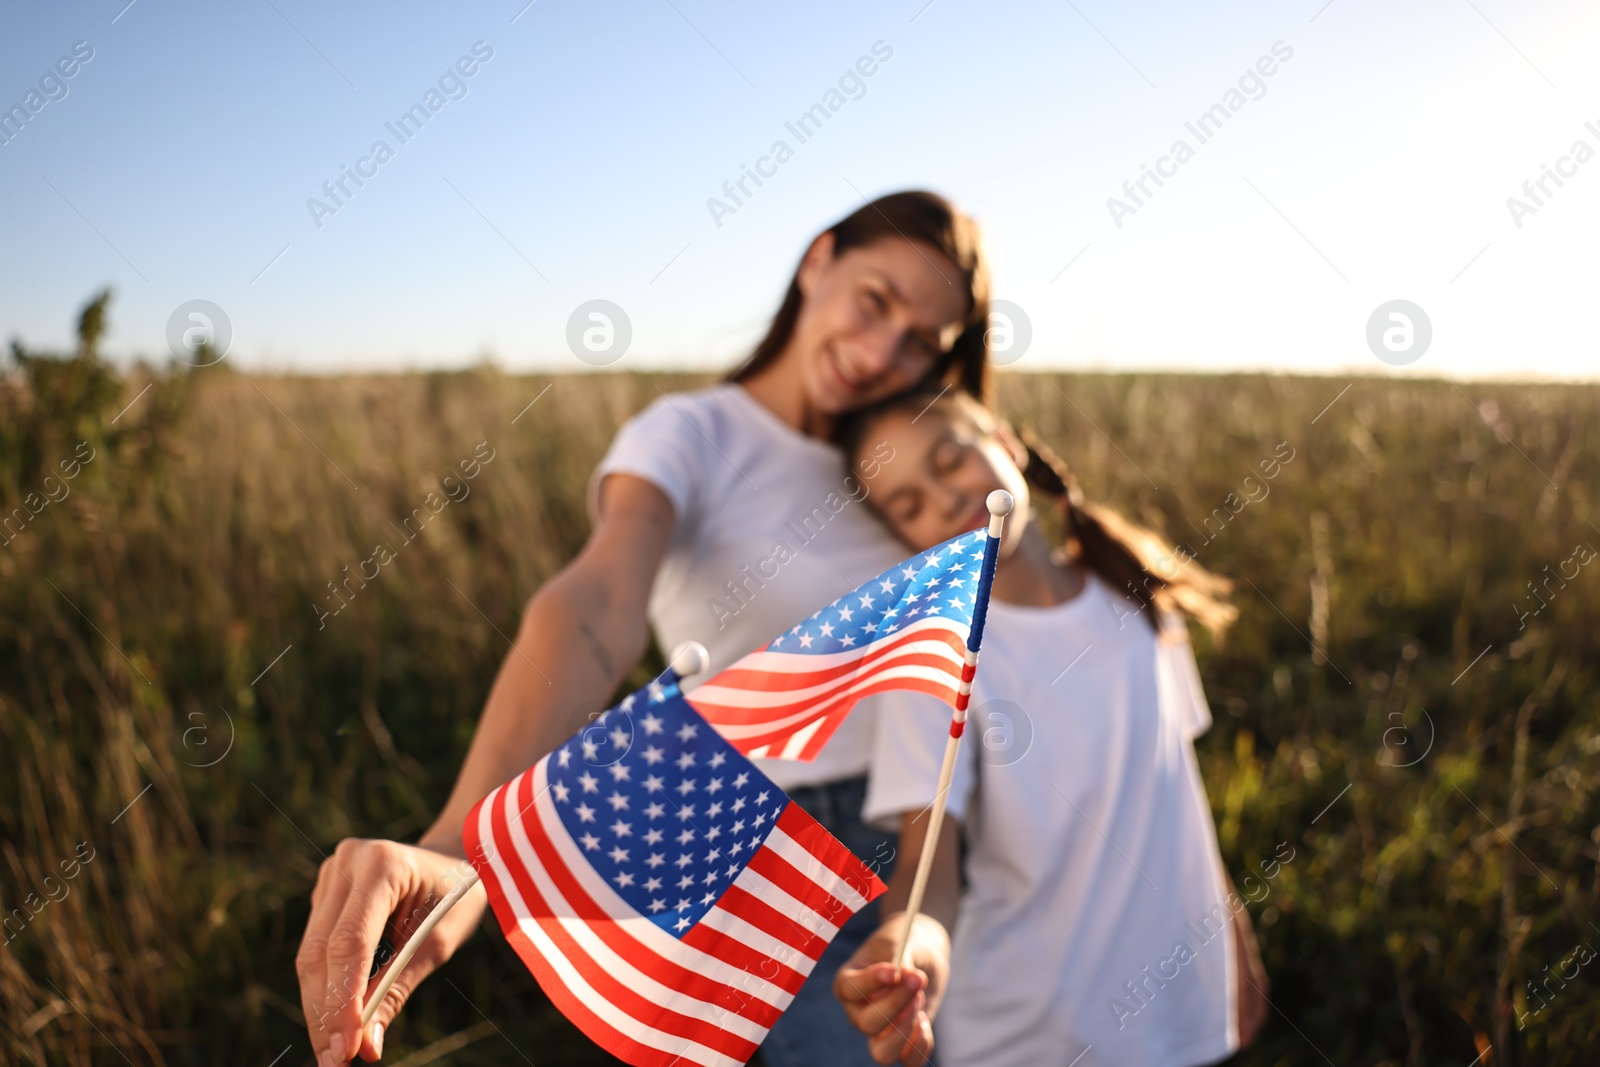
[1251,983]
[589,619]
[896,1012]
[367,891]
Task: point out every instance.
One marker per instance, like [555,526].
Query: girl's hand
[896,1013]
[1251,981]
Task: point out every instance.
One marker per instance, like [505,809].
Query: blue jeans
[814,1031]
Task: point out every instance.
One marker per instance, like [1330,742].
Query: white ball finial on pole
[1000,504]
[689,659]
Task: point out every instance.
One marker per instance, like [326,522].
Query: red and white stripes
[969,668]
[787,705]
[644,995]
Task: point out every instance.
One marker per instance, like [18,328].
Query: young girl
[1096,924]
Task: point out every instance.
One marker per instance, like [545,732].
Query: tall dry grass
[175,709]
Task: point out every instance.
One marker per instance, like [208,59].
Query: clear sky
[1374,164]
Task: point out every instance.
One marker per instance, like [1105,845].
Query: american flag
[667,896]
[907,628]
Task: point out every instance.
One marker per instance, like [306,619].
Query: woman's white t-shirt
[770,529]
[1095,913]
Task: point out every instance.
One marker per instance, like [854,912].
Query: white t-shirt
[1092,855]
[770,529]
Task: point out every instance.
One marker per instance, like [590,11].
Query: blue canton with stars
[942,582]
[664,809]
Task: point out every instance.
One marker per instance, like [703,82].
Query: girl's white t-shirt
[1095,913]
[770,529]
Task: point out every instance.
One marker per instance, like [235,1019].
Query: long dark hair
[1132,559]
[915,216]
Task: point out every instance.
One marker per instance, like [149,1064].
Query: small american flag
[667,896]
[907,628]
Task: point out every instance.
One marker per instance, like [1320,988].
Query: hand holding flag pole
[1000,504]
[689,659]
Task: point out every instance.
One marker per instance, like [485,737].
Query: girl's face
[874,320]
[943,468]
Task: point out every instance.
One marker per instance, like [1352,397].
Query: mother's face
[874,319]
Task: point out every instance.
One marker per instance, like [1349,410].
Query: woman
[721,515]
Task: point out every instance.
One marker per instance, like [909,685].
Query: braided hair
[1129,557]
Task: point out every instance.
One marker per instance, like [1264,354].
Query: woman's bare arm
[582,633]
[579,636]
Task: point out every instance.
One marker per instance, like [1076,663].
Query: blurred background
[233,365]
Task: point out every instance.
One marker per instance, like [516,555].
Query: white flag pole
[999,503]
[688,659]
[409,949]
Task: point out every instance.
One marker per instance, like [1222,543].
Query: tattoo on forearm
[598,649]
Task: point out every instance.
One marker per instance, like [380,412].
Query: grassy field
[185,735]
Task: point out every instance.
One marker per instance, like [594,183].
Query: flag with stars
[669,899]
[907,628]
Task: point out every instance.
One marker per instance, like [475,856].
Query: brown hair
[1132,559]
[914,216]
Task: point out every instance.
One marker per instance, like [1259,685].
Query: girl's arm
[897,1014]
[581,633]
[1250,983]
